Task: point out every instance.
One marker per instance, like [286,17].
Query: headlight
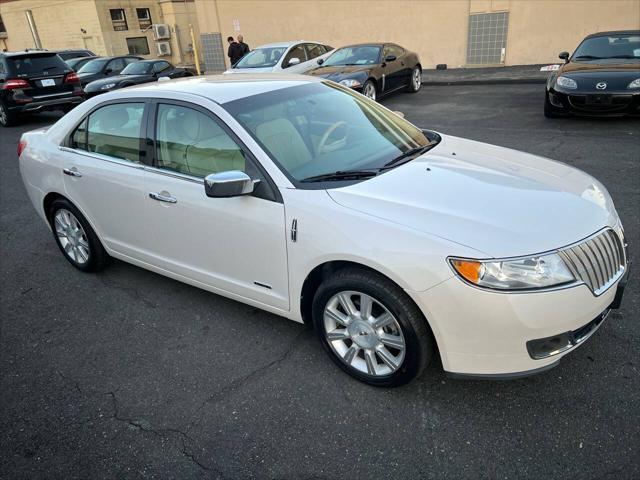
[351,83]
[107,86]
[634,84]
[515,274]
[566,82]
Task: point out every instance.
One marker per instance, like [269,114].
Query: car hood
[248,70]
[340,72]
[499,201]
[588,74]
[97,84]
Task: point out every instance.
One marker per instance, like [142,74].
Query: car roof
[28,52]
[287,44]
[367,44]
[614,32]
[226,88]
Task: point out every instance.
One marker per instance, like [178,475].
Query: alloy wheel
[363,333]
[417,79]
[72,236]
[3,114]
[369,90]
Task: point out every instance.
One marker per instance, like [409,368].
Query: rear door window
[113,130]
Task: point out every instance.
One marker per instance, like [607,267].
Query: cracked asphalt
[128,374]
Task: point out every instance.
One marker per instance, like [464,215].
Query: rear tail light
[15,83]
[21,146]
[72,78]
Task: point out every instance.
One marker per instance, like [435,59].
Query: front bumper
[484,334]
[596,103]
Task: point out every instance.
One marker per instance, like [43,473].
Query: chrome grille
[598,261]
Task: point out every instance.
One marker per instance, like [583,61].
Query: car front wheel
[369,89]
[371,329]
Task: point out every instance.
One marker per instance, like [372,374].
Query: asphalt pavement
[128,374]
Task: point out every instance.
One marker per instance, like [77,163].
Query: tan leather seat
[284,142]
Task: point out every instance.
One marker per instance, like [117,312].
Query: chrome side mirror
[293,61]
[232,183]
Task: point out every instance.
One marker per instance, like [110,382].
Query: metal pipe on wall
[33,28]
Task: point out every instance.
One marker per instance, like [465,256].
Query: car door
[103,162]
[299,52]
[393,70]
[114,67]
[314,52]
[237,244]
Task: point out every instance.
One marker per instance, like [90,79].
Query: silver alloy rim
[417,79]
[71,236]
[363,333]
[370,91]
[3,114]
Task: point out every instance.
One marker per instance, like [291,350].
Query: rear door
[104,176]
[45,73]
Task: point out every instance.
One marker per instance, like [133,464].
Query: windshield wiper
[623,56]
[341,175]
[406,156]
[588,57]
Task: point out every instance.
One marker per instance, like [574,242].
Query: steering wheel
[324,146]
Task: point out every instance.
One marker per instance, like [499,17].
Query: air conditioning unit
[161,31]
[164,48]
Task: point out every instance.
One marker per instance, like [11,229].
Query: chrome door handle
[162,198]
[72,172]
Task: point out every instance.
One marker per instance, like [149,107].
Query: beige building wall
[59,24]
[63,24]
[436,29]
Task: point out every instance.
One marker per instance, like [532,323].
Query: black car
[70,53]
[103,67]
[32,81]
[602,77]
[79,62]
[374,69]
[136,73]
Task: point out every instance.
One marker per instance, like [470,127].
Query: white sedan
[308,200]
[283,57]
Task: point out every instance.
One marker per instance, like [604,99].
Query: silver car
[290,57]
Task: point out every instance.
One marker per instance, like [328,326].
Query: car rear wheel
[75,237]
[7,118]
[371,329]
[369,89]
[415,81]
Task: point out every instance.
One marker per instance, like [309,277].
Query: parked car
[68,54]
[602,77]
[303,198]
[104,67]
[373,69]
[289,57]
[77,63]
[34,81]
[135,73]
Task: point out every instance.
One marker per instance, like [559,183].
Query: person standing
[234,51]
[244,48]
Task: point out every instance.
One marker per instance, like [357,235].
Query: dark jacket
[244,49]
[235,52]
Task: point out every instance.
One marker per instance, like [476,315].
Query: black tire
[370,84]
[7,118]
[411,87]
[549,111]
[417,335]
[97,257]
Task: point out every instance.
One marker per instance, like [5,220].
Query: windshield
[608,46]
[319,128]
[362,55]
[137,68]
[94,66]
[261,57]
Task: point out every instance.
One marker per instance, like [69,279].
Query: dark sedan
[602,77]
[104,67]
[373,69]
[79,62]
[140,72]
